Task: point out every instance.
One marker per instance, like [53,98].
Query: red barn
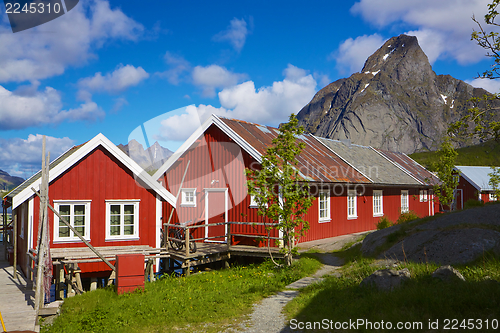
[473,184]
[103,194]
[353,185]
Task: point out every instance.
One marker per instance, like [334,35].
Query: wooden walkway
[16,301]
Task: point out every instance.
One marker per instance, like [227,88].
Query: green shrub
[473,203]
[383,223]
[407,217]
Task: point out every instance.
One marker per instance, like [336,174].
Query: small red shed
[103,193]
[473,184]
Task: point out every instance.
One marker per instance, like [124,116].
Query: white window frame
[185,192]
[378,210]
[326,200]
[405,206]
[122,203]
[350,195]
[72,237]
[492,197]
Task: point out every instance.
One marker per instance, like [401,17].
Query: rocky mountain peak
[397,102]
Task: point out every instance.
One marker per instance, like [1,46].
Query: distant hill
[149,159]
[396,103]
[484,154]
[8,182]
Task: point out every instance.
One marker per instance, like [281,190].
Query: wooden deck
[84,254]
[16,301]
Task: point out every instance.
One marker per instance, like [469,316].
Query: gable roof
[75,154]
[371,163]
[315,162]
[407,164]
[477,176]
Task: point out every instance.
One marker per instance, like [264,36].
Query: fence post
[228,236]
[186,233]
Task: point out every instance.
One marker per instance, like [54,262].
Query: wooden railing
[227,236]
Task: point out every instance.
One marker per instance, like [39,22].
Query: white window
[378,209]
[77,214]
[423,195]
[253,202]
[188,197]
[352,209]
[324,206]
[493,197]
[404,201]
[122,219]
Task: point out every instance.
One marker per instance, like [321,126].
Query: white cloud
[178,66]
[235,34]
[269,105]
[214,77]
[492,86]
[69,40]
[119,80]
[352,53]
[30,107]
[443,27]
[22,157]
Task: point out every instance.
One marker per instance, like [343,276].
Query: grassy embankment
[205,302]
[422,299]
[484,154]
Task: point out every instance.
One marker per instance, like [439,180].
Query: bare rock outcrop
[455,238]
[396,103]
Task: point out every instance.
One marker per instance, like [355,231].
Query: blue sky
[110,66]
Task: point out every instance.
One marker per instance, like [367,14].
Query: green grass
[484,154]
[205,301]
[421,299]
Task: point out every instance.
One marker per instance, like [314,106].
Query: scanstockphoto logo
[27,14]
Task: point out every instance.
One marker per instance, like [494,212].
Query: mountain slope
[396,103]
[8,182]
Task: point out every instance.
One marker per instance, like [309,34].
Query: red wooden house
[103,193]
[473,184]
[354,185]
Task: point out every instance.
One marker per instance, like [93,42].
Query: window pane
[63,232]
[114,231]
[128,209]
[114,220]
[64,210]
[81,230]
[79,210]
[79,221]
[114,209]
[128,230]
[128,219]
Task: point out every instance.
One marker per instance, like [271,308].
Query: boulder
[387,279]
[447,274]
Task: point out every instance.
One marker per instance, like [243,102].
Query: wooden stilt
[93,284]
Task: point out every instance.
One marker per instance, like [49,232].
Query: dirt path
[267,316]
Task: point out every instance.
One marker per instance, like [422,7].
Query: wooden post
[39,293]
[15,247]
[186,233]
[228,237]
[152,277]
[59,281]
[93,284]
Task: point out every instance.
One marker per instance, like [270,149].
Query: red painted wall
[100,177]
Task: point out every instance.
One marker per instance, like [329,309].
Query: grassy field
[204,302]
[422,300]
[485,154]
